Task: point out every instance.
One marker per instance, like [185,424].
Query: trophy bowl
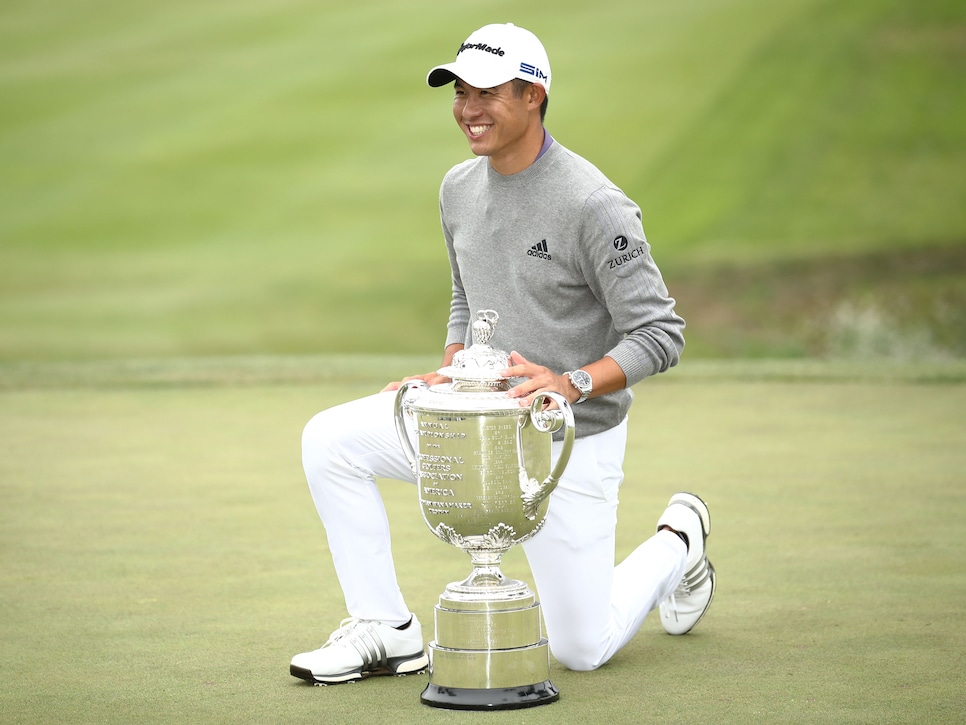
[482,463]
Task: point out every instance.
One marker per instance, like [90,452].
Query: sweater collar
[533,169]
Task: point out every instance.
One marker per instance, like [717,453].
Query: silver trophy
[483,467]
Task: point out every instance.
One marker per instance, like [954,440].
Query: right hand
[428,378]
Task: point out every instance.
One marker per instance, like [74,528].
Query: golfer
[540,235]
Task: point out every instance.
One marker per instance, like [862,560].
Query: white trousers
[590,607]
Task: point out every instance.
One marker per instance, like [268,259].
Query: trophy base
[505,698]
[489,652]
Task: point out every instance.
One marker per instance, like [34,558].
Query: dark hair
[520,87]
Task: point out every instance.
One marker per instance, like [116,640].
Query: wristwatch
[581,380]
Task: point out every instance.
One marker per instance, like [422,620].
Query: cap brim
[449,72]
[440,76]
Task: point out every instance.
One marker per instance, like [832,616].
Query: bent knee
[342,422]
[579,659]
[322,437]
[317,429]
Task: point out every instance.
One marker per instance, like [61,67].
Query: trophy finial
[483,327]
[478,368]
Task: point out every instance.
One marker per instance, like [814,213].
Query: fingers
[536,379]
[517,359]
[428,378]
[518,367]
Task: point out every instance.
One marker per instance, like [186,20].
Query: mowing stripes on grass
[208,178]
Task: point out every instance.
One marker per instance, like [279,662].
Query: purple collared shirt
[547,142]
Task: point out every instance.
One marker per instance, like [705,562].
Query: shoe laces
[669,607]
[362,635]
[345,629]
[691,580]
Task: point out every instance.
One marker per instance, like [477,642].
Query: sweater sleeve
[459,312]
[619,268]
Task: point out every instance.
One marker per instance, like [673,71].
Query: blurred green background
[260,177]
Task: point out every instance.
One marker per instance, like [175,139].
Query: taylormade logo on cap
[493,55]
[481,46]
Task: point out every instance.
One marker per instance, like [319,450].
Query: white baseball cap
[493,55]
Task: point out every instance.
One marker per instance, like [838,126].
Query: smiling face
[502,123]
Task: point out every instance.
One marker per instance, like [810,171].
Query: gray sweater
[559,252]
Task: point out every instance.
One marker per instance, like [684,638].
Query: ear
[537,94]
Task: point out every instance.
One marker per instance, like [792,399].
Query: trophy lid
[477,369]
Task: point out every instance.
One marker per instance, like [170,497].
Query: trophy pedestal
[489,652]
[482,464]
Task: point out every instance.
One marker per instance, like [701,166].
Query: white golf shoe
[680,612]
[360,648]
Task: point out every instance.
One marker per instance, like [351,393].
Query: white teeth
[477,130]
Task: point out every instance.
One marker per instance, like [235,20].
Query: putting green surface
[161,561]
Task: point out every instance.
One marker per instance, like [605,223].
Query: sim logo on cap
[533,71]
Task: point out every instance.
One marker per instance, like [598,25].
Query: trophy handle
[401,430]
[546,421]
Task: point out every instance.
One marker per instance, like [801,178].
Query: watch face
[582,380]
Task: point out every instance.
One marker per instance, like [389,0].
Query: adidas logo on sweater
[540,250]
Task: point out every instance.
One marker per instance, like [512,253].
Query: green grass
[842,134]
[217,218]
[161,561]
[258,177]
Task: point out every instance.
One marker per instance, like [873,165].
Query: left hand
[539,379]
